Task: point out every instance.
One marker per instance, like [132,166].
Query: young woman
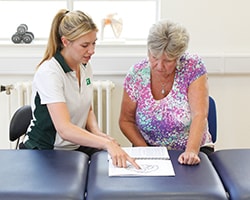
[62,92]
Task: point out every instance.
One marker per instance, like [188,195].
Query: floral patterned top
[165,122]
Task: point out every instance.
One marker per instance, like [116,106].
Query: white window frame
[70,6]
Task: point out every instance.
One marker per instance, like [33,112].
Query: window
[37,15]
[136,15]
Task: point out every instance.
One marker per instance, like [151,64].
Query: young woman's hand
[119,156]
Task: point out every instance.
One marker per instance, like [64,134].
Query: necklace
[163,88]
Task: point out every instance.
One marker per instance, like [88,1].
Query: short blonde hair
[167,37]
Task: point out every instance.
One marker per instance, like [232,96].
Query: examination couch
[42,175]
[233,167]
[69,175]
[200,182]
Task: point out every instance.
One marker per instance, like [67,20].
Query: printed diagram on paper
[154,161]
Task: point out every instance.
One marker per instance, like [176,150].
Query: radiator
[19,94]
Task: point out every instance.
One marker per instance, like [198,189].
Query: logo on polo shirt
[88,82]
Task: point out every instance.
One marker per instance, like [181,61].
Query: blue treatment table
[233,166]
[189,183]
[42,175]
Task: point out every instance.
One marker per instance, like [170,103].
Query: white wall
[219,32]
[216,27]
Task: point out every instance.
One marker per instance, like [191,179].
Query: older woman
[165,100]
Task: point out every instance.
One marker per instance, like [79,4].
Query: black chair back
[19,123]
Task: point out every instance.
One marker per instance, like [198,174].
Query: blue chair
[212,119]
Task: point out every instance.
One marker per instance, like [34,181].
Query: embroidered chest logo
[88,82]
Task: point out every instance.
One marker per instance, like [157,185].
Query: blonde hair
[167,37]
[71,25]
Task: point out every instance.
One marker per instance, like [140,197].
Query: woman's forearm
[130,130]
[196,132]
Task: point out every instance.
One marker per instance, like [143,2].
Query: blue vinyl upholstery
[42,175]
[199,182]
[232,166]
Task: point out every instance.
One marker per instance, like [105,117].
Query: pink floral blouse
[165,122]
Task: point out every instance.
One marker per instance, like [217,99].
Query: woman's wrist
[192,150]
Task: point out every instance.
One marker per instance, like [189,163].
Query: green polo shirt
[55,82]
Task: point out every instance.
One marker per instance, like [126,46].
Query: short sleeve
[49,85]
[199,68]
[136,79]
[194,67]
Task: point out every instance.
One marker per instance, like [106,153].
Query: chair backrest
[19,123]
[212,119]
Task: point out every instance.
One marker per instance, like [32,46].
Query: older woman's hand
[189,158]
